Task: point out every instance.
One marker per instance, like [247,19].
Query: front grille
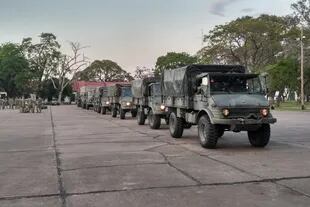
[246,113]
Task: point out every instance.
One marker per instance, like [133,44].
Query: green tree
[283,76]
[173,60]
[104,70]
[302,10]
[43,57]
[252,42]
[15,75]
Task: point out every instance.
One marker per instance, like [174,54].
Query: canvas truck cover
[115,90]
[139,87]
[182,81]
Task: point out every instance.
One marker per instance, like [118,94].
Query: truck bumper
[241,121]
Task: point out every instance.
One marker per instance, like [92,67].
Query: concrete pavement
[67,156]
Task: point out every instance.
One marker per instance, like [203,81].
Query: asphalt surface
[67,156]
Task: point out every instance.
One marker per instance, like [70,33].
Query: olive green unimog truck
[217,98]
[96,101]
[148,99]
[105,104]
[121,100]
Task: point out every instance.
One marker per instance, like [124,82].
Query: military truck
[96,101]
[105,104]
[217,98]
[121,100]
[148,99]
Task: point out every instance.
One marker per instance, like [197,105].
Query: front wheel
[122,114]
[103,110]
[260,137]
[114,112]
[175,126]
[140,117]
[207,133]
[133,113]
[154,120]
[99,110]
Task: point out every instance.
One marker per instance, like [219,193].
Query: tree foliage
[143,72]
[252,42]
[15,76]
[173,60]
[302,10]
[284,75]
[104,70]
[43,57]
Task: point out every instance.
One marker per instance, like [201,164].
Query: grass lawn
[292,106]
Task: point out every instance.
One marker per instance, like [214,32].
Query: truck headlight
[162,107]
[264,112]
[128,103]
[225,112]
[107,103]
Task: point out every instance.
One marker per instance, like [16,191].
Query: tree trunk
[60,96]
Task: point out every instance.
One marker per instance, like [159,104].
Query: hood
[240,100]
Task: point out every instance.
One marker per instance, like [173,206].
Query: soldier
[39,105]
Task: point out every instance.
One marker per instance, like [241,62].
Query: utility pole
[302,98]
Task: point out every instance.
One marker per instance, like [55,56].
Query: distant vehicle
[217,98]
[121,100]
[148,99]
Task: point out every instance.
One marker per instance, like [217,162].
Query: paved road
[69,157]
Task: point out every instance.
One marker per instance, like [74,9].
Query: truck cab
[126,102]
[156,108]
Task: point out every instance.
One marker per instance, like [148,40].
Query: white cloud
[219,7]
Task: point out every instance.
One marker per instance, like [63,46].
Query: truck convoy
[148,99]
[121,100]
[217,98]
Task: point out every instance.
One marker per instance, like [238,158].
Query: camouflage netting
[139,87]
[115,90]
[182,81]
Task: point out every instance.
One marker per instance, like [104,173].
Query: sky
[130,32]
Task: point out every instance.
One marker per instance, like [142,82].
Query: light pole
[302,98]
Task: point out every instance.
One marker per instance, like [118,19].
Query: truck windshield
[126,91]
[156,89]
[235,84]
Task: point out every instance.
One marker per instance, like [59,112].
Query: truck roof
[182,81]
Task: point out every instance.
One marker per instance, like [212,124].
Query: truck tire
[87,106]
[99,110]
[260,137]
[175,126]
[140,117]
[220,132]
[134,113]
[122,114]
[103,110]
[154,120]
[207,132]
[114,112]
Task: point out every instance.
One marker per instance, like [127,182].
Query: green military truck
[121,100]
[96,101]
[217,98]
[105,104]
[148,99]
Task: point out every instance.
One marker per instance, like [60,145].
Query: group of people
[30,105]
